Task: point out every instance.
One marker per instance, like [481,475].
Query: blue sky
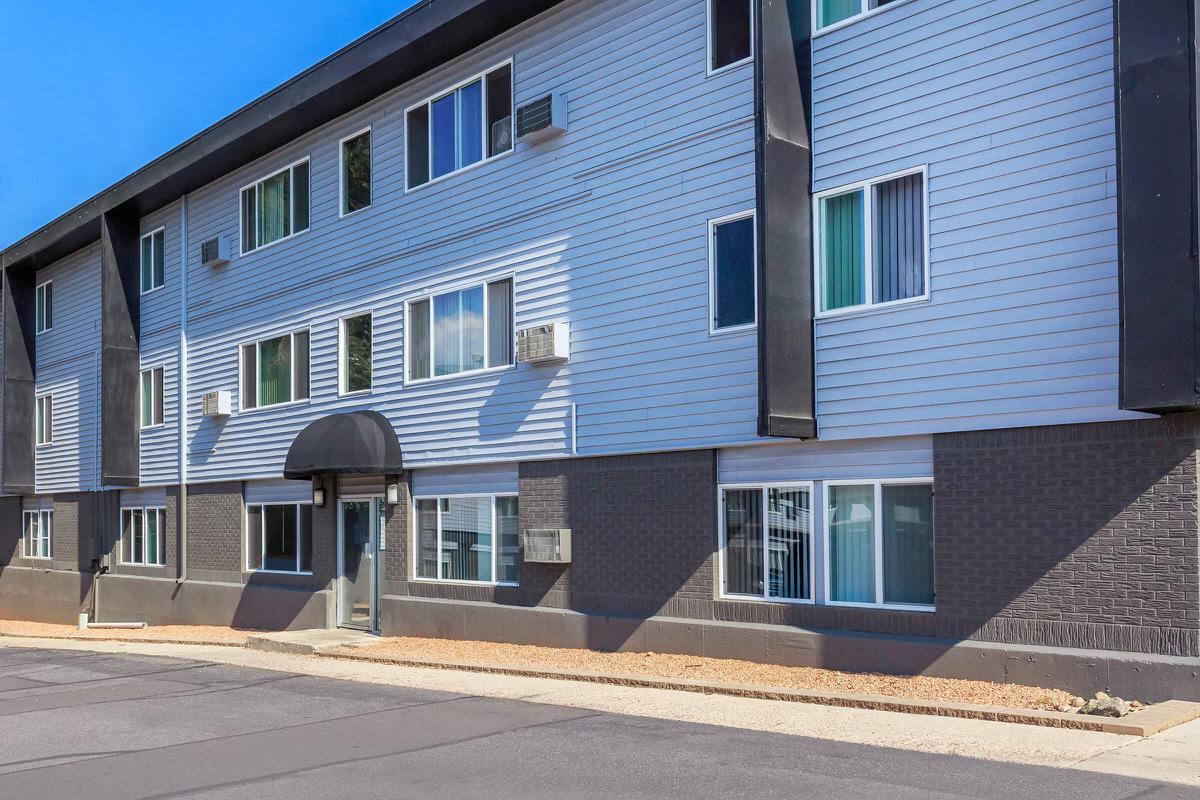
[90,91]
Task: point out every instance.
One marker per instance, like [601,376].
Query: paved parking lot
[104,725]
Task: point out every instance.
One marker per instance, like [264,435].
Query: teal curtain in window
[275,371]
[147,398]
[152,537]
[274,208]
[834,11]
[842,257]
[852,544]
[908,544]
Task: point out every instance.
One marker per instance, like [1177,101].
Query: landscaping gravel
[197,634]
[666,665]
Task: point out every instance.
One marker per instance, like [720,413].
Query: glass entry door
[358,570]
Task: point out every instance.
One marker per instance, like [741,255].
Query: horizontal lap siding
[604,228]
[901,457]
[1010,104]
[68,368]
[483,479]
[160,348]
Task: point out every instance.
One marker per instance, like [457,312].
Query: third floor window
[275,207]
[153,258]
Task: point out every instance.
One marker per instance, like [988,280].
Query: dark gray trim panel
[120,361]
[783,167]
[18,388]
[420,39]
[1157,204]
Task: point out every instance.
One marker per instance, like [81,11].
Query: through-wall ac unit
[548,545]
[217,404]
[542,118]
[214,252]
[544,344]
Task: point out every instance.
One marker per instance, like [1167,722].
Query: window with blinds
[871,243]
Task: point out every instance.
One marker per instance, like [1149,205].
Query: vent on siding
[548,545]
[542,118]
[215,252]
[217,404]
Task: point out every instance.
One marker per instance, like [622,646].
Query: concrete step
[310,641]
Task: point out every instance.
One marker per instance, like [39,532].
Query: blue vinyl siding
[160,348]
[68,367]
[1010,103]
[605,228]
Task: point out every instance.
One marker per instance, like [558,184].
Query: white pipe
[125,626]
[182,401]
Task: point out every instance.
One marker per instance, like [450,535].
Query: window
[43,422]
[879,537]
[356,354]
[44,306]
[732,272]
[279,537]
[143,533]
[356,172]
[467,539]
[831,12]
[153,261]
[730,33]
[871,243]
[767,542]
[152,397]
[38,525]
[461,331]
[275,207]
[275,371]
[466,125]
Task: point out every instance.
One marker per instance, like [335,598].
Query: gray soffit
[419,40]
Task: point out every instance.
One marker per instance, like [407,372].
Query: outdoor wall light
[318,494]
[393,491]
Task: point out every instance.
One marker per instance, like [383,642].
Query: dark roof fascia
[419,40]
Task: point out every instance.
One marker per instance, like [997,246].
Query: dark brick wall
[10,530]
[215,519]
[1074,535]
[643,535]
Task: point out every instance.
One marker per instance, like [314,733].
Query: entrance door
[358,563]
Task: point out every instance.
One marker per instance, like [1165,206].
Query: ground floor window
[875,546]
[467,539]
[279,537]
[37,527]
[142,533]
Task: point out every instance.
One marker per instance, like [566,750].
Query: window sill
[274,406]
[447,582]
[712,73]
[458,375]
[851,20]
[279,571]
[155,289]
[43,445]
[355,212]
[433,181]
[732,329]
[754,598]
[39,333]
[882,606]
[141,566]
[156,427]
[262,247]
[355,393]
[863,310]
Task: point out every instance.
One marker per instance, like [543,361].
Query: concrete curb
[1147,722]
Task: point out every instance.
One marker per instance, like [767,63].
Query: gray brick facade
[215,523]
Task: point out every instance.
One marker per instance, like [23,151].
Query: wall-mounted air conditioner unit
[542,118]
[215,252]
[547,545]
[217,404]
[544,344]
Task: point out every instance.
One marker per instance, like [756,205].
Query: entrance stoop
[308,642]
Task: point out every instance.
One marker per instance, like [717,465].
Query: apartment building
[844,332]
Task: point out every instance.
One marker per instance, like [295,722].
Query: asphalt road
[98,727]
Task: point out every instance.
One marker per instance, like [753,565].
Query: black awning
[357,442]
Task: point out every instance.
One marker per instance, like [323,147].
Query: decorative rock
[1101,696]
[1108,707]
[1078,702]
[1066,708]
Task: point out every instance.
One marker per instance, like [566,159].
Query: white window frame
[867,188]
[258,406]
[343,378]
[487,137]
[45,525]
[162,386]
[485,369]
[39,299]
[764,488]
[262,537]
[162,538]
[710,30]
[866,11]
[342,212]
[259,246]
[160,231]
[43,423]
[415,532]
[878,484]
[713,224]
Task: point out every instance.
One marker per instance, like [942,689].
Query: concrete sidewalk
[1172,756]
